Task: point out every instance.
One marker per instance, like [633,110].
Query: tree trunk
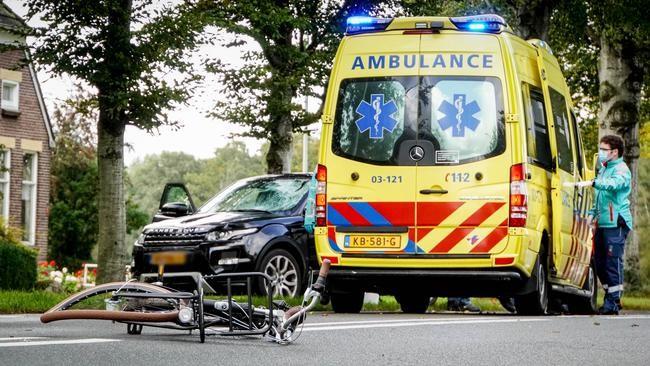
[113,252]
[620,91]
[534,18]
[280,154]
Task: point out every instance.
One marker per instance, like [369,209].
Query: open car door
[175,201]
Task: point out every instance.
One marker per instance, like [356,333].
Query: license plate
[168,258]
[373,241]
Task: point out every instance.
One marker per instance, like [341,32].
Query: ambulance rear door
[463,177]
[370,178]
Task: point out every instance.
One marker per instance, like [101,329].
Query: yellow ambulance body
[448,150]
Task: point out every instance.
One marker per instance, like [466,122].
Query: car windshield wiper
[250,210]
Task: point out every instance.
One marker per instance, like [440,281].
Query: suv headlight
[228,234]
[140,240]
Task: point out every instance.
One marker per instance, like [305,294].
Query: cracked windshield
[262,195]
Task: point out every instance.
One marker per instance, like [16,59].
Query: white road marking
[20,338]
[430,322]
[392,321]
[57,342]
[608,317]
[623,317]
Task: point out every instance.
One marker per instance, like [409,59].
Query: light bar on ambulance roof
[363,24]
[486,23]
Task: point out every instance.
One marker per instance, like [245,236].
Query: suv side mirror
[175,209]
[175,201]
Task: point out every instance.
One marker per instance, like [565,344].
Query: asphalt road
[334,339]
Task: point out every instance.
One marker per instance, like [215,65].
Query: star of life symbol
[459,116]
[472,240]
[376,116]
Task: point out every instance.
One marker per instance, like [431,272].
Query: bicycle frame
[188,309]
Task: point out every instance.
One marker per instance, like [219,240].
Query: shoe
[470,308]
[603,311]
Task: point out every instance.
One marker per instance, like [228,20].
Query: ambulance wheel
[348,302]
[536,302]
[586,304]
[413,303]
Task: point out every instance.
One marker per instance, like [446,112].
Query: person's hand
[590,221]
[586,183]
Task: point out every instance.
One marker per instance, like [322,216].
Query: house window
[10,95]
[4,184]
[28,206]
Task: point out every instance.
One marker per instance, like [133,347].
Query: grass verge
[19,302]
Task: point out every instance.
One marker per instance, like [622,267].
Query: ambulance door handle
[433,191]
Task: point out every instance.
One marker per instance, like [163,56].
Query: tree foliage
[147,177]
[73,194]
[296,42]
[134,55]
[73,221]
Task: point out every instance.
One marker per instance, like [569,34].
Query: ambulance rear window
[378,119]
[372,114]
[466,121]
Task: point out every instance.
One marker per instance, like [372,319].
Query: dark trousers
[609,250]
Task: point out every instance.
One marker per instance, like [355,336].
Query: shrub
[17,262]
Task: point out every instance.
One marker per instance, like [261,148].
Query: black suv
[256,224]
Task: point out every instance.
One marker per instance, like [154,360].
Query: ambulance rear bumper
[435,282]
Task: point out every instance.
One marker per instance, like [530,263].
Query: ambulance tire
[413,303]
[536,302]
[348,302]
[586,305]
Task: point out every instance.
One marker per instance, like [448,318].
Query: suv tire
[285,271]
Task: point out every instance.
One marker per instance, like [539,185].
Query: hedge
[17,266]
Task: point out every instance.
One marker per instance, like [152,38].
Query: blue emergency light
[361,24]
[490,23]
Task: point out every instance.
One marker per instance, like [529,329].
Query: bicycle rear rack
[248,276]
[203,287]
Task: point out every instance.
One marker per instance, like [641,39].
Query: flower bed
[55,279]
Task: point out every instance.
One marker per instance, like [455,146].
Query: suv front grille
[173,237]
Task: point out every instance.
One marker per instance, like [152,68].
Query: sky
[199,135]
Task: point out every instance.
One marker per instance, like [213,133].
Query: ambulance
[448,157]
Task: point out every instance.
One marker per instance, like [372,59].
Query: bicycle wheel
[139,311]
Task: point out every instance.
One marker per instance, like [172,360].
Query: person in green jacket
[613,220]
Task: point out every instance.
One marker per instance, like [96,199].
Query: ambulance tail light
[364,24]
[518,196]
[321,195]
[486,23]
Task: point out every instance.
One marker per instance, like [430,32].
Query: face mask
[602,156]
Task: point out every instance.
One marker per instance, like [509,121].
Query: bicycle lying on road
[140,304]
